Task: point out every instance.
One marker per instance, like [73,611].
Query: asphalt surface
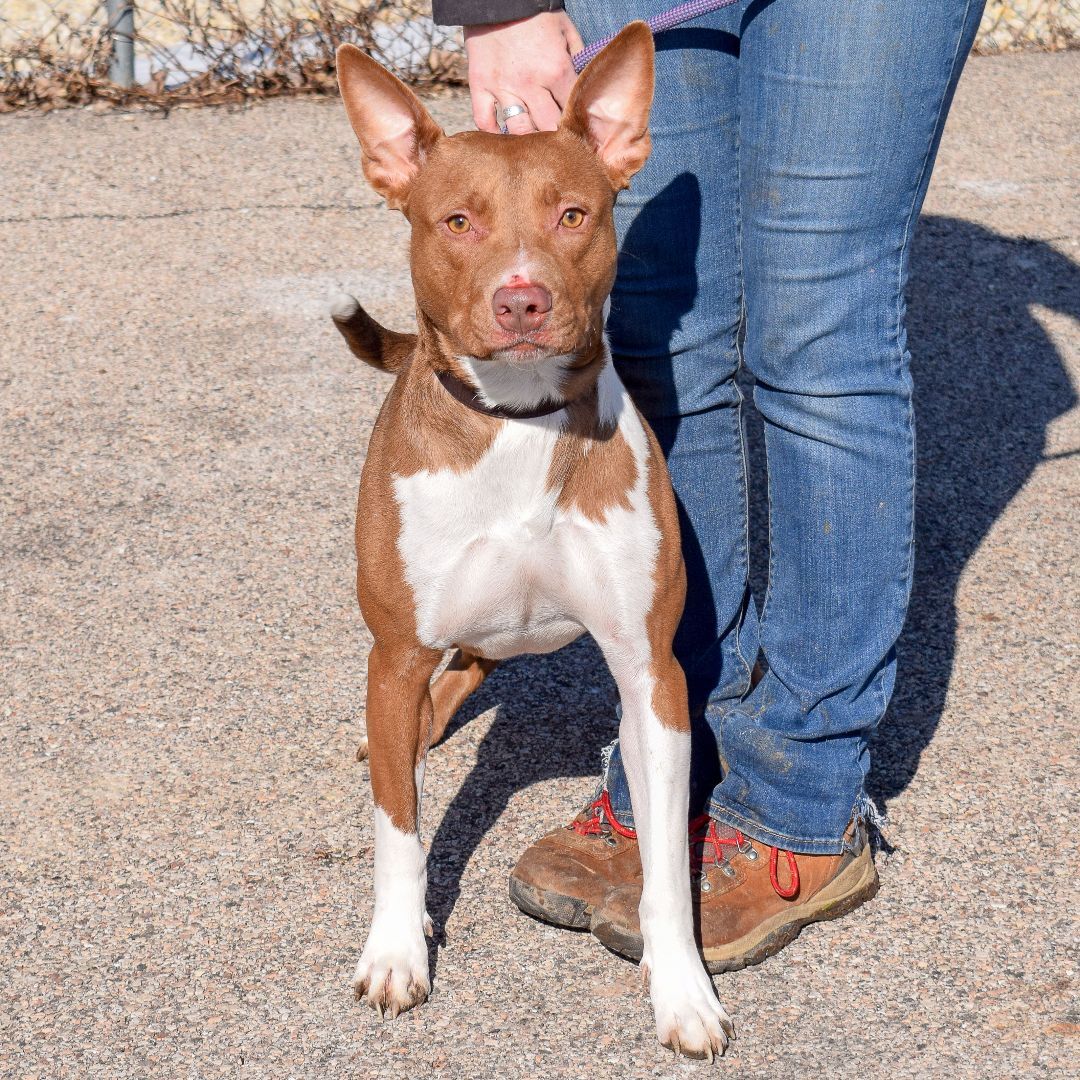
[185,839]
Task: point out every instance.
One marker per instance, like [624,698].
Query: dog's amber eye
[458,223]
[572,218]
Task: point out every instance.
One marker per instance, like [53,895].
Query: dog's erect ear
[609,105]
[395,131]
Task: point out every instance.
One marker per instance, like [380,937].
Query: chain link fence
[190,52]
[210,51]
[1029,24]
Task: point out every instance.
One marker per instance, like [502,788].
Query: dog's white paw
[392,977]
[362,750]
[689,1018]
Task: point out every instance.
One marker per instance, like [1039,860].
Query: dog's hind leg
[455,683]
[458,680]
[392,974]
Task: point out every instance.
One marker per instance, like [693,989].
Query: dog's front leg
[392,974]
[655,740]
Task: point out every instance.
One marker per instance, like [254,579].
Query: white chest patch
[494,564]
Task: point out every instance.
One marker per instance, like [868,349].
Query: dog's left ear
[609,105]
[395,131]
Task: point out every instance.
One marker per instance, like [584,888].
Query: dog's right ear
[395,131]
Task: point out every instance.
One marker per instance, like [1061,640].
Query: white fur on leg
[418,775]
[689,1018]
[392,974]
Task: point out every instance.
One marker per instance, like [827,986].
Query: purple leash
[692,9]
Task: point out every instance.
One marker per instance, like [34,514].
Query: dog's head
[513,244]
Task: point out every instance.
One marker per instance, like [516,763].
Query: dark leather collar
[461,390]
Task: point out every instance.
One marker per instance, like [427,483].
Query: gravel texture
[185,840]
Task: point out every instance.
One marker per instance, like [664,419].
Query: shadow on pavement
[988,381]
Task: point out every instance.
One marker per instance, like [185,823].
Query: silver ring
[507,113]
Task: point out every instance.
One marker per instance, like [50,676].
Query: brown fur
[371,342]
[592,467]
[514,193]
[669,596]
[461,677]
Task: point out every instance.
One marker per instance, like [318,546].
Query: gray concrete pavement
[185,841]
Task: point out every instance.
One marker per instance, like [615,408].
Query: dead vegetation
[209,52]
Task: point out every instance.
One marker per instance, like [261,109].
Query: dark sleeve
[478,12]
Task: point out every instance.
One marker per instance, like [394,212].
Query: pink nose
[521,308]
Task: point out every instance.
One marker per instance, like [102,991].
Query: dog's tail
[384,349]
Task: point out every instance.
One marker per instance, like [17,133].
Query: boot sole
[857,884]
[567,912]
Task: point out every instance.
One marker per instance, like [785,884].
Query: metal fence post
[121,16]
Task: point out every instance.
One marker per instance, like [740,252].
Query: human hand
[525,63]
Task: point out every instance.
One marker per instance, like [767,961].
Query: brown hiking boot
[564,875]
[750,899]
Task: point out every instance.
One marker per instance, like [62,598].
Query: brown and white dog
[513,498]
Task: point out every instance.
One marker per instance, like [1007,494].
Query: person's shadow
[988,381]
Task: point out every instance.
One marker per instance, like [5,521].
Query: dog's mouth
[522,350]
[563,337]
[524,346]
[537,345]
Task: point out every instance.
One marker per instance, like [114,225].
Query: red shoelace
[594,826]
[703,833]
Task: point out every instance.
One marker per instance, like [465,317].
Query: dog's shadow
[553,714]
[988,382]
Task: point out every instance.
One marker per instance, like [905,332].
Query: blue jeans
[792,146]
